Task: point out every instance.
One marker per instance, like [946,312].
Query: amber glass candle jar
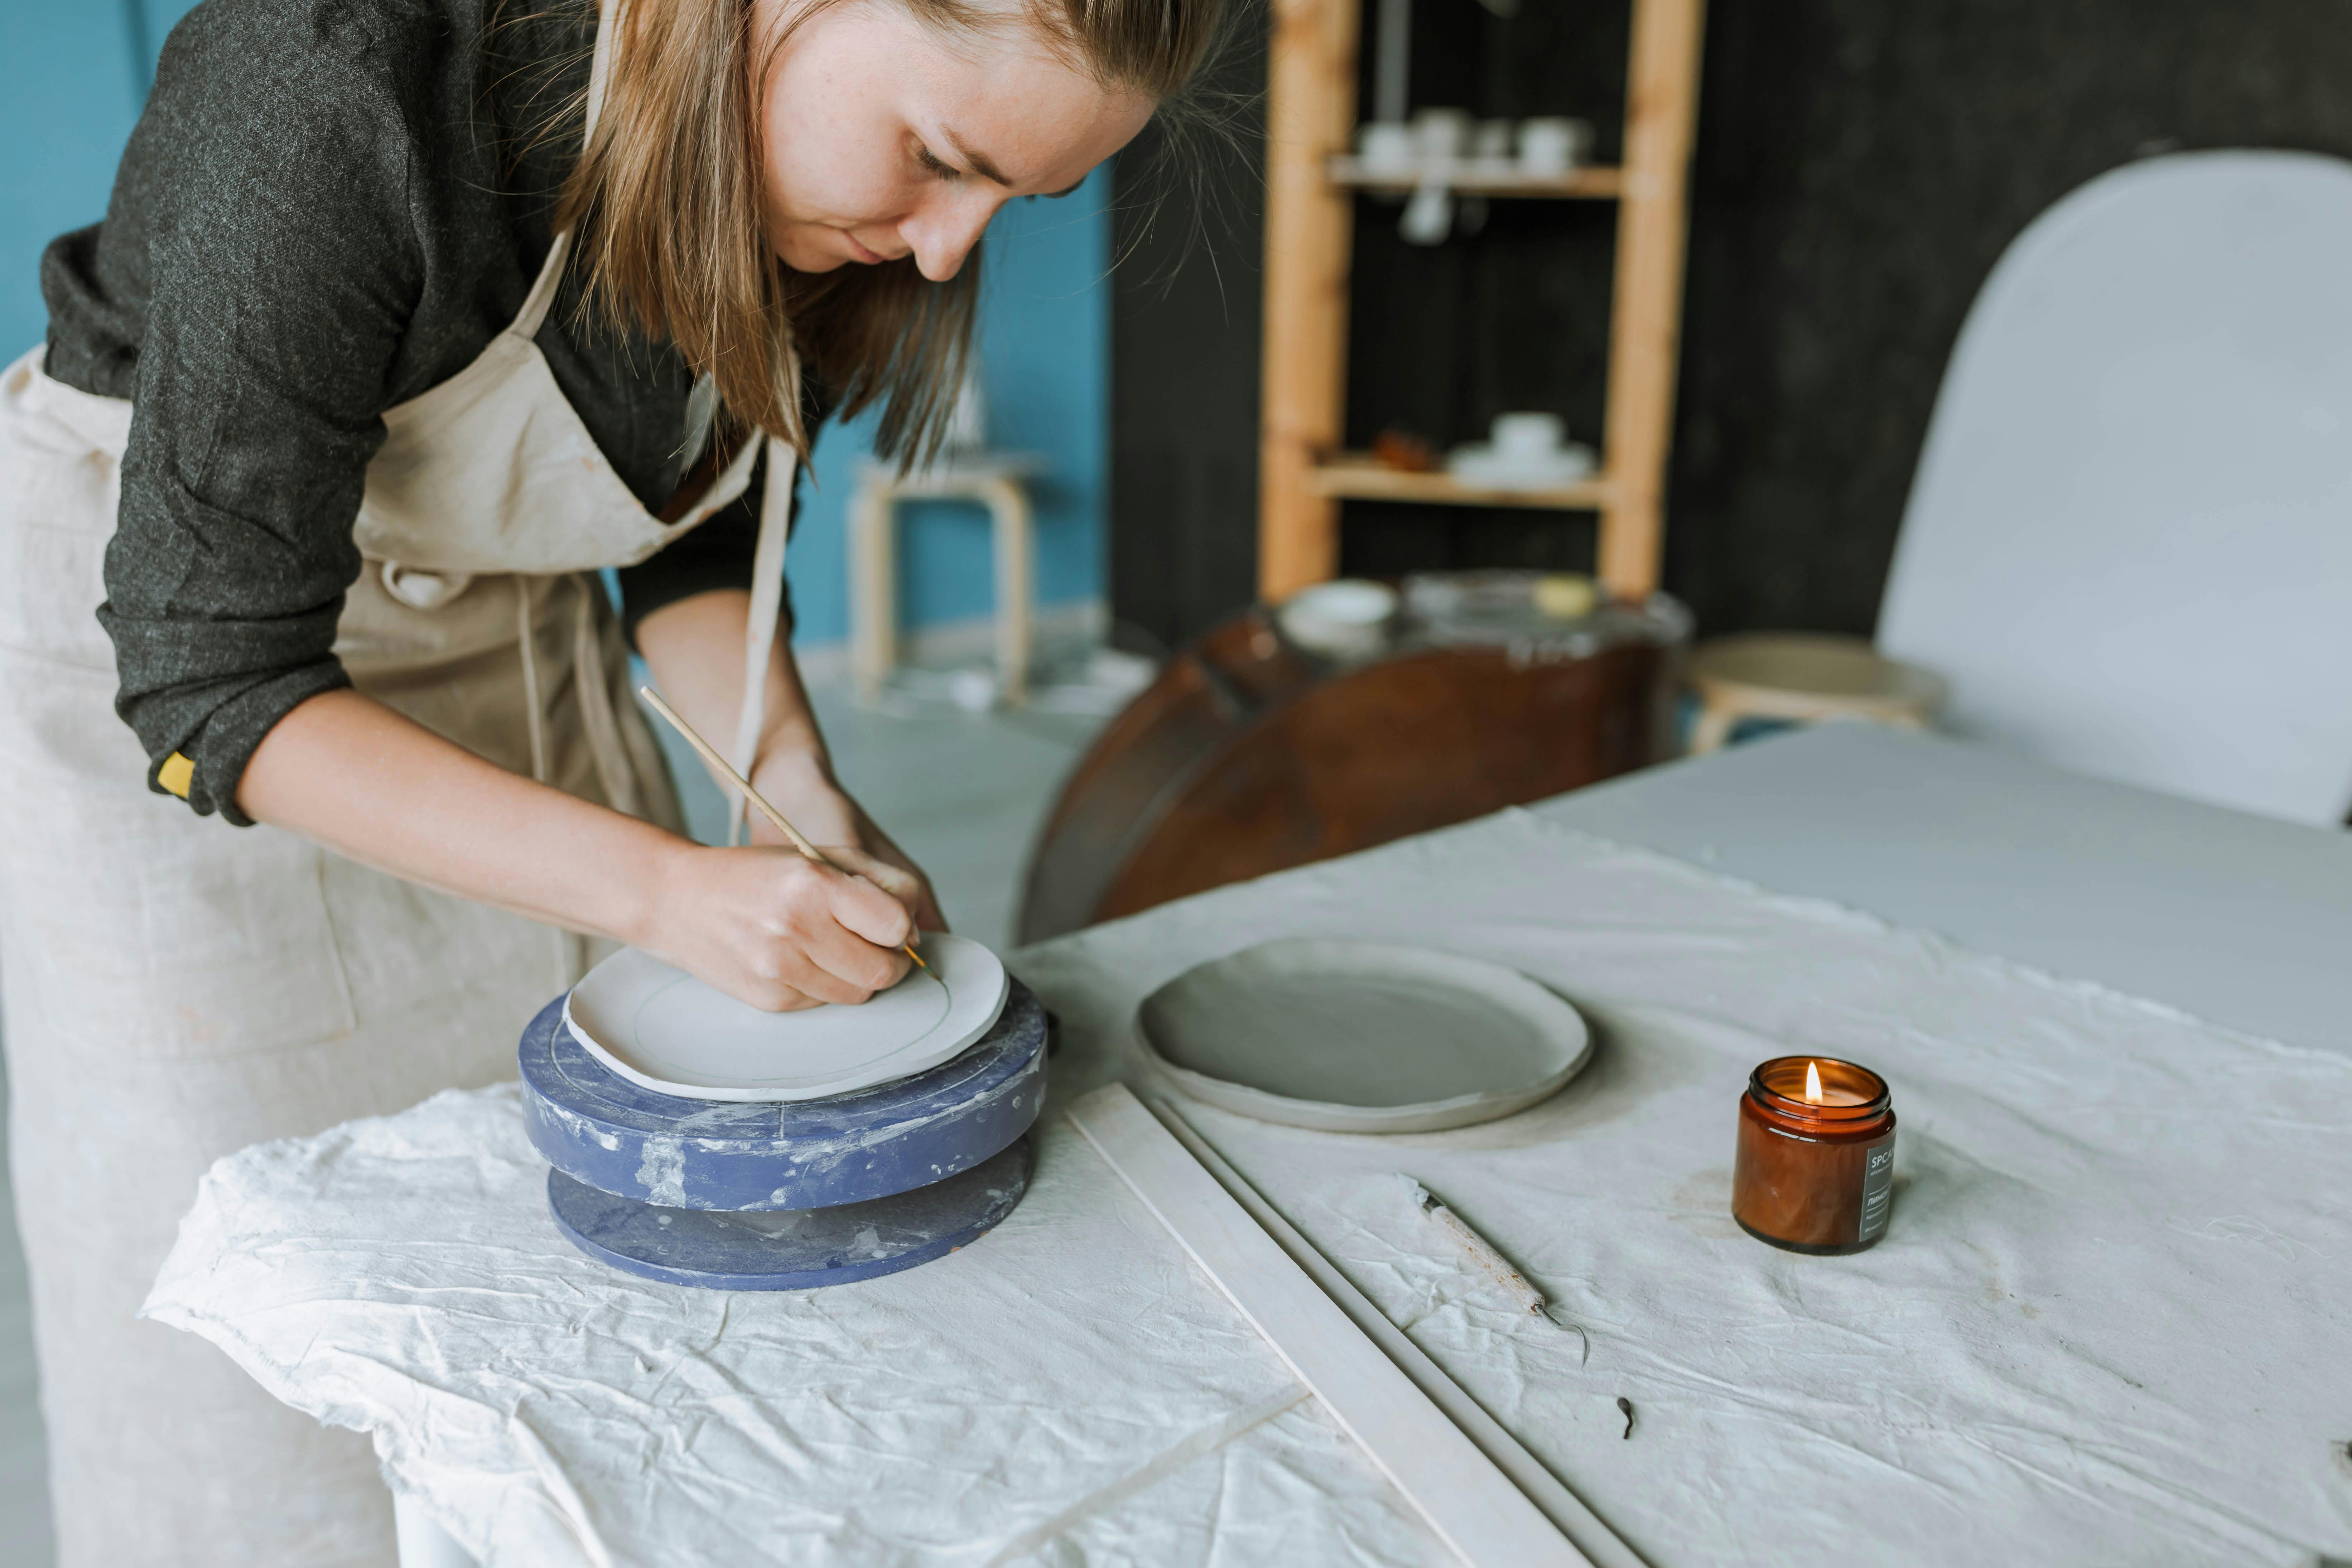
[1815,1168]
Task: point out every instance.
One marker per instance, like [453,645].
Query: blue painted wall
[78,69]
[73,88]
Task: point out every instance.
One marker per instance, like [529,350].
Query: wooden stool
[1804,678]
[993,480]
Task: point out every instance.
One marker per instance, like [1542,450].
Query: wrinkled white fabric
[400,1276]
[2108,1322]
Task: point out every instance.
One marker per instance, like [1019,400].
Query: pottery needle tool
[1489,1262]
[720,766]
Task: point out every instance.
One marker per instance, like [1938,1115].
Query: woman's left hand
[802,788]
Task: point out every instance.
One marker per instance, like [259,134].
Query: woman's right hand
[774,929]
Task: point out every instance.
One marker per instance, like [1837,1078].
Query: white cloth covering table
[2109,1321]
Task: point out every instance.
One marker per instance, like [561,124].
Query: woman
[407,316]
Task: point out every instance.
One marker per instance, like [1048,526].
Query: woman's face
[885,138]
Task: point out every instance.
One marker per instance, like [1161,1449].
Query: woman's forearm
[347,772]
[762,924]
[694,648]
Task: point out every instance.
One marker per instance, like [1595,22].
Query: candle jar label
[1877,1191]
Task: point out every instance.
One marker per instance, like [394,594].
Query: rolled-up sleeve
[283,270]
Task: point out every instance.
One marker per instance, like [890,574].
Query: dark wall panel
[1861,165]
[1187,233]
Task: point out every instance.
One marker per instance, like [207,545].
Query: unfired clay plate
[661,1027]
[1357,1036]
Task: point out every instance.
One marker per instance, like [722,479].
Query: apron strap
[565,948]
[526,638]
[615,770]
[616,773]
[767,609]
[600,63]
[551,275]
[535,305]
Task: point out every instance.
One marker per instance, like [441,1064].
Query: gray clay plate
[1359,1036]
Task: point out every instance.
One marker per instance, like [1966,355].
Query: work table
[2107,1320]
[2238,919]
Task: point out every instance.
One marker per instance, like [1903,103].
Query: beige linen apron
[175,988]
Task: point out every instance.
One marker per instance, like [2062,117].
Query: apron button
[423,590]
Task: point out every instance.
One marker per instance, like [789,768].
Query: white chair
[2128,547]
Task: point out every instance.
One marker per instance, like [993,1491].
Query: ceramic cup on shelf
[1527,451]
[1554,146]
[1441,136]
[1528,435]
[1386,147]
[1428,217]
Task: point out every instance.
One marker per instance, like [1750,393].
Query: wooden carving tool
[720,766]
[1479,1250]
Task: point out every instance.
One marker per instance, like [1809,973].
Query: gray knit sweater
[328,207]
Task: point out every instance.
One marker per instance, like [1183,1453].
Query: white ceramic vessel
[1359,1036]
[1528,452]
[1483,465]
[664,1030]
[1441,135]
[1348,617]
[1552,147]
[1387,147]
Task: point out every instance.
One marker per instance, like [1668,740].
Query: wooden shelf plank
[1472,178]
[1354,475]
[1645,322]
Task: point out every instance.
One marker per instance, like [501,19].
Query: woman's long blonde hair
[666,213]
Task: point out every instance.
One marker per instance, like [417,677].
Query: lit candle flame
[1813,1083]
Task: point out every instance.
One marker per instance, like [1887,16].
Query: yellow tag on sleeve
[176,773]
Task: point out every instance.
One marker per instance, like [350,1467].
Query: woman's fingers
[782,998]
[901,885]
[778,931]
[819,932]
[906,888]
[894,877]
[834,964]
[864,903]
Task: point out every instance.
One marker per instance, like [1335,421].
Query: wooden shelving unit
[1474,179]
[1311,182]
[1355,475]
